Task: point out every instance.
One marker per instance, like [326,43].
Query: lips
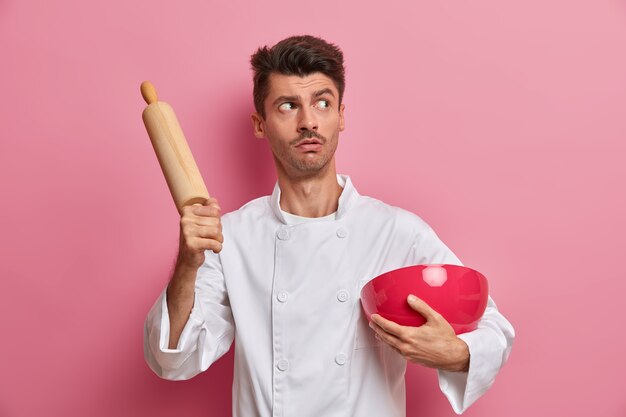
[309,142]
[310,145]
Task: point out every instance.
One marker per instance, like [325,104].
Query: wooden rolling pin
[181,172]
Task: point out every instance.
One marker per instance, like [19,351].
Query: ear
[341,119]
[258,125]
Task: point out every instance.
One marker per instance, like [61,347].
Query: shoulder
[251,211]
[401,219]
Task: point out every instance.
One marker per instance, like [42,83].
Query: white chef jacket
[289,295]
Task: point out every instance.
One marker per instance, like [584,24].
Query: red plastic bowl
[458,293]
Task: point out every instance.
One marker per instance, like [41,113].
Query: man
[282,274]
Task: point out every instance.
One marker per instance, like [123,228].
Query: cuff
[463,388]
[195,320]
[160,358]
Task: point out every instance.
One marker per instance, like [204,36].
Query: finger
[396,349]
[212,210]
[211,229]
[424,309]
[390,346]
[203,221]
[211,201]
[199,243]
[388,325]
[388,338]
[210,232]
[191,223]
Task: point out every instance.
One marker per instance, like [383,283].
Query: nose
[307,120]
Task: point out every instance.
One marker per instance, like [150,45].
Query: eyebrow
[324,91]
[297,98]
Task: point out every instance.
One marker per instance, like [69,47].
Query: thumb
[421,307]
[212,201]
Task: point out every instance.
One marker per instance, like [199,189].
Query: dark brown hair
[296,55]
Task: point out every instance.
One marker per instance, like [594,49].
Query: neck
[310,196]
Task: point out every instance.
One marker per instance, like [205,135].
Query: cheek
[277,128]
[333,120]
[334,128]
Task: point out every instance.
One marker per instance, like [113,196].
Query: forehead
[294,85]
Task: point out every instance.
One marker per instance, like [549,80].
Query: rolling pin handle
[148,92]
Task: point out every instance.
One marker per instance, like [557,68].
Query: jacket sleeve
[207,335]
[489,345]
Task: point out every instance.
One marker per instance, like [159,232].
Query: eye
[287,106]
[323,104]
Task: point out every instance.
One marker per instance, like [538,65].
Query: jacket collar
[346,200]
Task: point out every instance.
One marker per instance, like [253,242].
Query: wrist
[181,288]
[462,355]
[185,267]
[183,277]
[188,262]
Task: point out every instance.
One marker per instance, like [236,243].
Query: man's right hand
[200,230]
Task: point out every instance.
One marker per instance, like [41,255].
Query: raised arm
[191,325]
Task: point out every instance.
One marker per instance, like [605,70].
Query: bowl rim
[418,265]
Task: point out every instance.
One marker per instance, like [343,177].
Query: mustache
[308,134]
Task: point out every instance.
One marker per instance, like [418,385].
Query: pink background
[502,124]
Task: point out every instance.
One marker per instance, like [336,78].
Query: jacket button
[282,365]
[341,359]
[341,232]
[342,295]
[282,296]
[283,234]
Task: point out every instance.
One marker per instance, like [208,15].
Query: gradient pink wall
[502,124]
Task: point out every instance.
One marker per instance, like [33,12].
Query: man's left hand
[432,344]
